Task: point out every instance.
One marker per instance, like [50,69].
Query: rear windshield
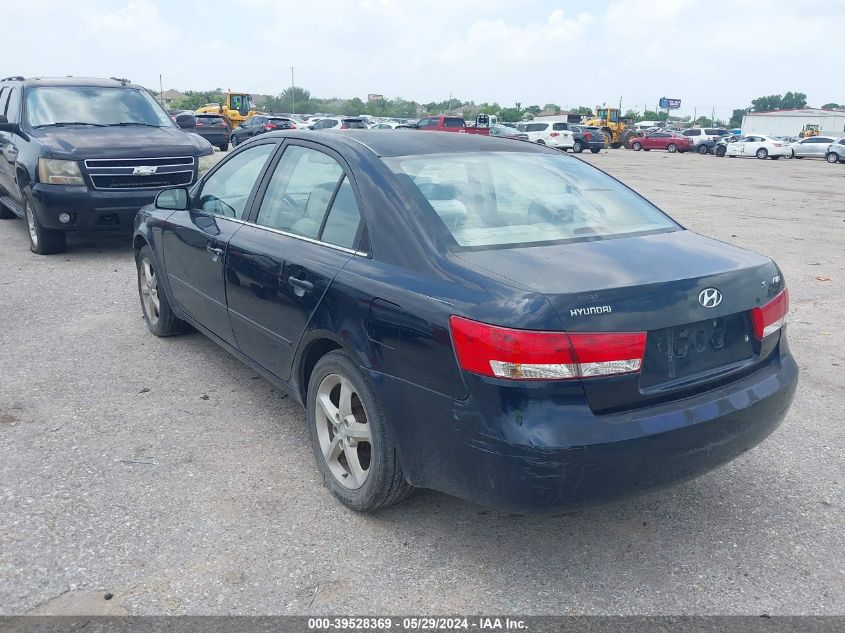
[355,124]
[281,122]
[210,120]
[712,131]
[50,105]
[500,199]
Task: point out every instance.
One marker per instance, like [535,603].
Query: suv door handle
[215,253]
[300,283]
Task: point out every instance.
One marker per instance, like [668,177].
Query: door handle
[300,283]
[215,253]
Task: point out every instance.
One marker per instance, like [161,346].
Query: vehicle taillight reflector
[555,134]
[769,318]
[586,136]
[501,352]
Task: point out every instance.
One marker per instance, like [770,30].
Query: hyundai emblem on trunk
[710,297]
[144,171]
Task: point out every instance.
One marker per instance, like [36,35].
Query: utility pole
[160,90]
[449,109]
[292,92]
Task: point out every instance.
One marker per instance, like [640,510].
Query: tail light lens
[769,318]
[269,126]
[343,126]
[586,136]
[554,134]
[500,352]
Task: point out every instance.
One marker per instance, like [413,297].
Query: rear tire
[362,469]
[42,241]
[720,152]
[6,214]
[762,153]
[223,147]
[832,158]
[578,147]
[671,148]
[540,141]
[702,149]
[155,305]
[234,141]
[594,150]
[636,146]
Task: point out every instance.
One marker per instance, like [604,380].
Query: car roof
[414,142]
[93,82]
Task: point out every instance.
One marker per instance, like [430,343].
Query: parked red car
[454,124]
[670,141]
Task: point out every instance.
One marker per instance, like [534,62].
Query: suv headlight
[59,172]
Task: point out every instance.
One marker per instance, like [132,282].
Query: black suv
[86,154]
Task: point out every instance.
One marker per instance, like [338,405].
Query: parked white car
[384,125]
[756,145]
[701,134]
[552,133]
[812,147]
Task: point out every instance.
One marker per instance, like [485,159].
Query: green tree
[651,115]
[510,114]
[766,104]
[736,117]
[553,107]
[533,109]
[793,101]
[832,106]
[633,115]
[195,99]
[583,111]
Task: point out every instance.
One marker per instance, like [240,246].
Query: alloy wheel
[31,225]
[832,158]
[149,291]
[343,431]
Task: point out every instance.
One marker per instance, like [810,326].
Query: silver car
[835,152]
[813,147]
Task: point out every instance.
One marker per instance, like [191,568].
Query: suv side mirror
[186,121]
[5,126]
[176,199]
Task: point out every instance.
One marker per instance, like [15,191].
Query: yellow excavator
[616,128]
[237,107]
[810,130]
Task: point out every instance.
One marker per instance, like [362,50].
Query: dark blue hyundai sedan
[494,320]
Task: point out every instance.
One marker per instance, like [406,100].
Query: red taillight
[269,126]
[343,126]
[554,134]
[501,352]
[200,124]
[769,318]
[586,136]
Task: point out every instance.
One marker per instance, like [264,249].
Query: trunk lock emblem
[710,297]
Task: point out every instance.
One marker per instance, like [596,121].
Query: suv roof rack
[12,78]
[122,80]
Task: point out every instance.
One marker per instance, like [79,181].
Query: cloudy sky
[709,53]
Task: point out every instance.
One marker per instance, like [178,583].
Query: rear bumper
[90,210]
[561,142]
[217,137]
[536,454]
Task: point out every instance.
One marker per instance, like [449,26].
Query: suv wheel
[832,158]
[351,438]
[702,149]
[578,147]
[42,241]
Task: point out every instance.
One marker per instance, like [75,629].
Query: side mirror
[5,126]
[186,121]
[176,199]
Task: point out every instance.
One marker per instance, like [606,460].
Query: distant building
[791,122]
[169,96]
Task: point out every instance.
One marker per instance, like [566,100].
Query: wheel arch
[318,344]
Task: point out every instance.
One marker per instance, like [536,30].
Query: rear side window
[341,226]
[691,132]
[500,199]
[300,191]
[560,126]
[536,127]
[451,121]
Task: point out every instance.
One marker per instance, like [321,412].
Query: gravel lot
[166,473]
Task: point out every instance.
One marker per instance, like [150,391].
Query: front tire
[154,303]
[702,149]
[223,147]
[762,153]
[351,438]
[832,158]
[636,146]
[234,141]
[720,152]
[594,150]
[42,241]
[578,147]
[671,148]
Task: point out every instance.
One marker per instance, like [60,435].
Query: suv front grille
[140,173]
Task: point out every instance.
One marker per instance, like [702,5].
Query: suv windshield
[500,199]
[88,105]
